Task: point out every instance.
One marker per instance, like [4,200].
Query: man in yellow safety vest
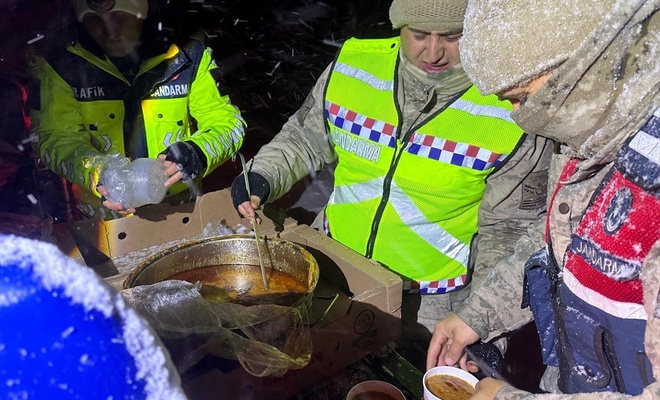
[427,169]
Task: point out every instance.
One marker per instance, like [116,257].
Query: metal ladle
[254,225]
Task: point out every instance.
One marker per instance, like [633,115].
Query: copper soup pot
[228,268]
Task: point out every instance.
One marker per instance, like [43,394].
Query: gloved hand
[187,157]
[259,187]
[487,359]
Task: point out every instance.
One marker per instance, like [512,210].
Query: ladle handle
[254,223]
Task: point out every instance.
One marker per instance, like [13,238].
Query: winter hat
[139,8]
[506,43]
[428,15]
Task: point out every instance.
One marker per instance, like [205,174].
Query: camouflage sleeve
[300,148]
[495,306]
[515,197]
[651,281]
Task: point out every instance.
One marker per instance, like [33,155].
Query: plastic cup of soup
[448,383]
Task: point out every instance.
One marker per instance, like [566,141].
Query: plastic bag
[267,340]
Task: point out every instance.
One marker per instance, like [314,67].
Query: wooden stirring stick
[261,260]
[254,225]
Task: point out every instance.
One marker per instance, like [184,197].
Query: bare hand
[247,208]
[450,336]
[487,388]
[171,170]
[111,205]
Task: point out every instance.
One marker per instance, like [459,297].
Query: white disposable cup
[373,387]
[452,371]
[148,177]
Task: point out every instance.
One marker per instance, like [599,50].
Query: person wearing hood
[121,90]
[416,149]
[589,276]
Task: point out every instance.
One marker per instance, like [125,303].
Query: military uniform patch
[534,189]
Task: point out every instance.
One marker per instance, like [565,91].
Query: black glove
[258,187]
[488,357]
[188,157]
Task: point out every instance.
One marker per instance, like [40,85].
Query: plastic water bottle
[148,176]
[136,183]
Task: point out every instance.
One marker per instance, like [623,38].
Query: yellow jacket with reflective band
[409,199]
[89,109]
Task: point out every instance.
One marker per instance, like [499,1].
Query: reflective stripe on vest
[411,216]
[416,201]
[448,151]
[364,76]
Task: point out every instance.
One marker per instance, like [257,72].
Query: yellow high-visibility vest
[409,200]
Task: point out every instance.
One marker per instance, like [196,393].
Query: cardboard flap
[160,223]
[358,277]
[329,304]
[153,225]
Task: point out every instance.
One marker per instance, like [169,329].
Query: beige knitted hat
[139,8]
[428,15]
[506,43]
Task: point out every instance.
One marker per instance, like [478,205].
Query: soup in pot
[243,284]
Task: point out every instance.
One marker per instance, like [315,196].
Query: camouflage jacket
[596,138]
[496,306]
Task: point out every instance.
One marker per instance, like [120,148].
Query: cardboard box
[102,243]
[161,223]
[364,317]
[356,307]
